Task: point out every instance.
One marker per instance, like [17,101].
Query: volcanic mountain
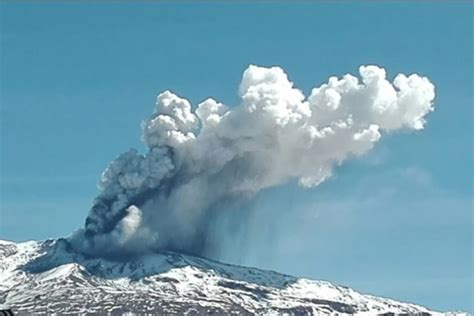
[49,277]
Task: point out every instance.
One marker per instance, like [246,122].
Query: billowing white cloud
[199,160]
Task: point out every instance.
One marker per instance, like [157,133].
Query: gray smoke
[202,161]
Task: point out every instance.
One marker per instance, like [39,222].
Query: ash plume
[201,160]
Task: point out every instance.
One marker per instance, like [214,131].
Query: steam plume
[200,160]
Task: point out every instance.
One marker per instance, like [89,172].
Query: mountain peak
[49,277]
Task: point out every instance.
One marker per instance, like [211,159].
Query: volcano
[50,277]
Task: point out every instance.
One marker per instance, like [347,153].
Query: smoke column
[200,161]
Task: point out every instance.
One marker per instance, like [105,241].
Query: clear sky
[77,79]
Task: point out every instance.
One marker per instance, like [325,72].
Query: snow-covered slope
[48,277]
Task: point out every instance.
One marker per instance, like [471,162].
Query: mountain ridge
[44,277]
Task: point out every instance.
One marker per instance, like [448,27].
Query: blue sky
[77,79]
